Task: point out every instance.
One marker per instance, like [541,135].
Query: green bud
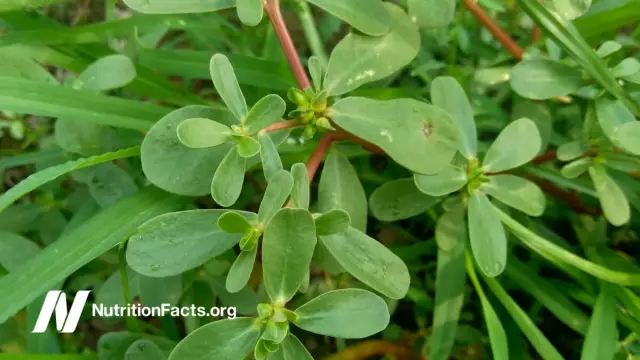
[298,97]
[309,131]
[324,123]
[265,311]
[307,117]
[320,106]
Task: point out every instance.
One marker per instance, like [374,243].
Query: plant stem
[132,325]
[275,14]
[504,38]
[311,31]
[318,154]
[281,125]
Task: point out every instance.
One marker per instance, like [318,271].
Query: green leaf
[614,203]
[360,59]
[15,64]
[114,345]
[369,17]
[451,229]
[542,345]
[541,79]
[240,271]
[157,291]
[570,9]
[287,247]
[172,7]
[488,240]
[250,11]
[576,168]
[144,349]
[202,133]
[192,234]
[516,192]
[233,223]
[450,289]
[275,196]
[317,71]
[571,150]
[332,222]
[492,76]
[79,246]
[547,294]
[627,67]
[432,14]
[619,124]
[292,349]
[300,192]
[225,82]
[447,94]
[497,335]
[567,36]
[10,5]
[369,261]
[398,200]
[516,145]
[109,183]
[42,177]
[601,341]
[109,72]
[83,138]
[608,47]
[15,250]
[39,98]
[340,188]
[170,165]
[265,112]
[451,179]
[271,162]
[231,339]
[347,314]
[228,179]
[248,147]
[622,162]
[405,129]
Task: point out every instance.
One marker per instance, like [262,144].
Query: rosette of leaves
[516,145]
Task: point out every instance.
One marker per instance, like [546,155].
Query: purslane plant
[207,151]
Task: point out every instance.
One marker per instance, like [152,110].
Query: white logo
[66,320]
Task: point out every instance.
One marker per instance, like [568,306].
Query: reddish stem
[275,13]
[548,156]
[281,125]
[504,38]
[318,154]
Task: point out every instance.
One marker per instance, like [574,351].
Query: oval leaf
[541,79]
[447,94]
[248,147]
[231,339]
[144,349]
[613,200]
[432,14]
[275,196]
[516,145]
[228,179]
[347,314]
[271,162]
[173,243]
[369,16]
[405,129]
[340,188]
[334,221]
[182,7]
[449,180]
[109,72]
[369,261]
[240,271]
[517,192]
[250,11]
[201,133]
[226,83]
[488,240]
[265,112]
[170,165]
[287,248]
[398,200]
[360,59]
[300,192]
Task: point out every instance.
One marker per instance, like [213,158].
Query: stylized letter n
[66,322]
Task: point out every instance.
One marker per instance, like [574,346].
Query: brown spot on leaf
[427,128]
